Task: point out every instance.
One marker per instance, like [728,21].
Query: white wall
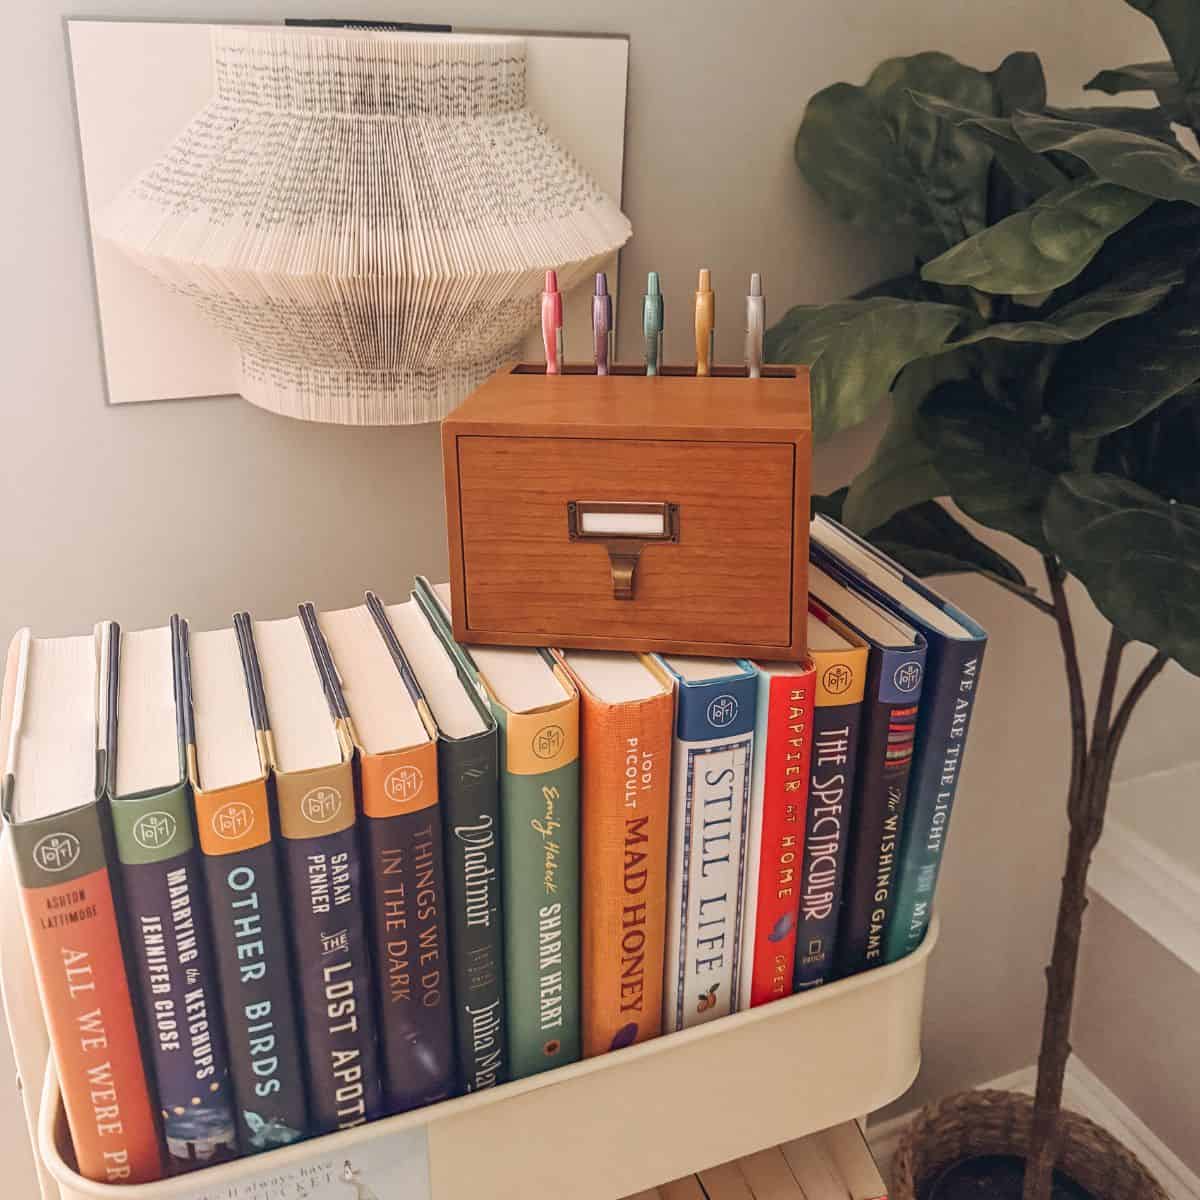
[205,506]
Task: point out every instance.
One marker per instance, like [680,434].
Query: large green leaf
[1156,77]
[1124,297]
[1107,383]
[1020,83]
[1043,247]
[901,472]
[996,468]
[1165,236]
[927,540]
[881,161]
[857,348]
[1032,172]
[1138,556]
[1141,164]
[1180,29]
[1160,452]
[1150,122]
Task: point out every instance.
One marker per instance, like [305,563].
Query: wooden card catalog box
[623,512]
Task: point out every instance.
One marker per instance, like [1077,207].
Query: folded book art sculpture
[368,215]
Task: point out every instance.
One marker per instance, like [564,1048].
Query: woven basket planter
[990,1122]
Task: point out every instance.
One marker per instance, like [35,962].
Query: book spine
[949,697]
[168,924]
[539,804]
[254,970]
[402,831]
[469,781]
[826,836]
[325,889]
[710,804]
[776,845]
[72,926]
[889,729]
[626,780]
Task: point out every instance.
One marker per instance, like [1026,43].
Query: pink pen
[601,322]
[552,324]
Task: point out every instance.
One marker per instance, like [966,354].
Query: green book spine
[539,804]
[468,781]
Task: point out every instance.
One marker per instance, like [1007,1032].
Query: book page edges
[16,668]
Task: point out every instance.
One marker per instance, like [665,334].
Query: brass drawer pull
[624,528]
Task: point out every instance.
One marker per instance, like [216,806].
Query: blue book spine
[952,680]
[710,809]
[894,682]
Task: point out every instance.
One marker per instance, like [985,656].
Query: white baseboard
[1085,1094]
[1155,891]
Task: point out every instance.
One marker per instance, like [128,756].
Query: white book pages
[884,577]
[384,714]
[302,726]
[147,723]
[54,739]
[226,743]
[615,678]
[452,708]
[865,615]
[368,215]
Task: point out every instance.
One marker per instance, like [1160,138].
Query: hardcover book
[895,672]
[710,810]
[60,731]
[468,756]
[166,911]
[311,759]
[952,667]
[227,764]
[537,709]
[391,727]
[627,710]
[840,670]
[775,836]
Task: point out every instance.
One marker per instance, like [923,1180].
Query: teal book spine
[951,681]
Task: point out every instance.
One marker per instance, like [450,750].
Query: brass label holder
[624,528]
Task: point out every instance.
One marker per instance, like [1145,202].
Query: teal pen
[652,322]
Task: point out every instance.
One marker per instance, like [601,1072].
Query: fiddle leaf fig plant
[1040,367]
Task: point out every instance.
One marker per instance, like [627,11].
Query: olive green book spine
[540,826]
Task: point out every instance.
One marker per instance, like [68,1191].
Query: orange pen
[706,316]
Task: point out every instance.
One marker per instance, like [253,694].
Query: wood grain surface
[734,454]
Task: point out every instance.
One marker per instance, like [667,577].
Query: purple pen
[601,322]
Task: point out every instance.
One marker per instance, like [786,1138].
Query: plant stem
[1086,803]
[1145,678]
[1066,636]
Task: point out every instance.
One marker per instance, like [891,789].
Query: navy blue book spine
[893,695]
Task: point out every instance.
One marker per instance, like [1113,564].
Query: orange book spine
[625,757]
[71,920]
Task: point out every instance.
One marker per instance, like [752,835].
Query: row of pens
[653,313]
[283,878]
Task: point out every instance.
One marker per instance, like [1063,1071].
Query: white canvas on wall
[138,84]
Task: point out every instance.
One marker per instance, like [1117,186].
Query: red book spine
[785,808]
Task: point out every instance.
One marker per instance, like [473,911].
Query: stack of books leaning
[835,1164]
[287,877]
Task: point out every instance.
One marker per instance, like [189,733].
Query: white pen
[756,322]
